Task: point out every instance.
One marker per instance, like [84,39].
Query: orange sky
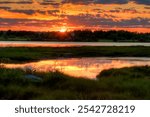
[54,15]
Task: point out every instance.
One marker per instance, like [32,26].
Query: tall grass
[125,83]
[22,54]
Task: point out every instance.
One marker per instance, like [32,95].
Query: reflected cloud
[81,67]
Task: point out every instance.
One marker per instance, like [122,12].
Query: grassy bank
[23,54]
[125,83]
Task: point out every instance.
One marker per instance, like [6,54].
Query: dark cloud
[115,11]
[96,1]
[111,1]
[18,2]
[53,12]
[78,1]
[29,12]
[5,8]
[146,2]
[130,10]
[99,10]
[120,10]
[135,22]
[9,22]
[92,21]
[50,2]
[54,2]
[4,22]
[85,20]
[147,7]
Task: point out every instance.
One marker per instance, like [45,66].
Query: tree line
[76,36]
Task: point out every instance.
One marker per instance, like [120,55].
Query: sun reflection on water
[80,67]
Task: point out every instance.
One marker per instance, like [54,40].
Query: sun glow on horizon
[68,15]
[63,30]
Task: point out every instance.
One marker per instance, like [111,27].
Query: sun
[63,30]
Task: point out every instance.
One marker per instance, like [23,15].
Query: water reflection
[82,67]
[64,44]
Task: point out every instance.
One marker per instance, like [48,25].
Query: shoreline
[69,44]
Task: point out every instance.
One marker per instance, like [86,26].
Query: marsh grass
[24,54]
[125,83]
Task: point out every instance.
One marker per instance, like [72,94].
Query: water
[65,44]
[82,67]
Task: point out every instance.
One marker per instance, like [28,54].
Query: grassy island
[25,54]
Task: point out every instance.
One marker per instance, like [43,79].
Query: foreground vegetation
[125,83]
[24,54]
[80,36]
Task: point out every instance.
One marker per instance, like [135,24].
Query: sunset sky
[61,15]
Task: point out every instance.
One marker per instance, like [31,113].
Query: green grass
[14,39]
[23,54]
[125,83]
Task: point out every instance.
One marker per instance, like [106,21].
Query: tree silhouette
[77,36]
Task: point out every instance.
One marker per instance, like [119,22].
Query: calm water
[83,67]
[65,44]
